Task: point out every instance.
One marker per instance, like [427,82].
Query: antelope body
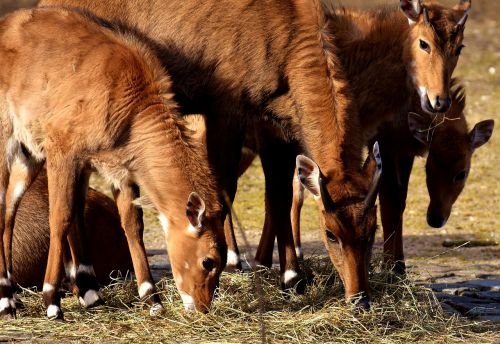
[386,64]
[288,76]
[82,96]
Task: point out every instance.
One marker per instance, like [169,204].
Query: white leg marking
[156,309]
[18,192]
[298,251]
[164,223]
[144,289]
[70,269]
[90,297]
[5,303]
[232,258]
[47,287]
[88,269]
[188,301]
[5,282]
[288,276]
[53,311]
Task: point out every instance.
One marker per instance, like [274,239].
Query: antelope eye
[459,50]
[330,236]
[208,264]
[425,46]
[460,176]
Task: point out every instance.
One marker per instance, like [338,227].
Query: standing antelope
[387,55]
[286,76]
[82,97]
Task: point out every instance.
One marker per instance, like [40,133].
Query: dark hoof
[292,280]
[361,303]
[399,268]
[234,268]
[8,310]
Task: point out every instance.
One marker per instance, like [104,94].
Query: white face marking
[88,269]
[164,223]
[52,311]
[144,289]
[188,301]
[288,276]
[186,265]
[90,298]
[47,287]
[232,258]
[5,282]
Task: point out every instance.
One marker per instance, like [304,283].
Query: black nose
[361,302]
[435,220]
[442,105]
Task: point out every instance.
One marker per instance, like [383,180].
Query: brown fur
[109,248]
[83,96]
[289,76]
[375,50]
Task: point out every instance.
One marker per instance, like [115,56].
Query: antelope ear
[195,210]
[463,5]
[412,9]
[481,133]
[309,175]
[418,127]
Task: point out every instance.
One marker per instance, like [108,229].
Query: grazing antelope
[30,248]
[449,146]
[83,97]
[385,54]
[287,76]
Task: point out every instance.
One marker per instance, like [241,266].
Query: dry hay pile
[401,312]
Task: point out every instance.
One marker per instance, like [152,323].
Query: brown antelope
[450,147]
[82,97]
[30,248]
[385,54]
[288,77]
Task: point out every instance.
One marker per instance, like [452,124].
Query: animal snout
[435,220]
[441,104]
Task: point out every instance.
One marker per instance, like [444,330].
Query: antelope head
[433,47]
[197,253]
[347,228]
[451,147]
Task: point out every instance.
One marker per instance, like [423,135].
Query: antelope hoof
[233,262]
[291,280]
[361,303]
[91,299]
[7,308]
[399,268]
[156,310]
[54,313]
